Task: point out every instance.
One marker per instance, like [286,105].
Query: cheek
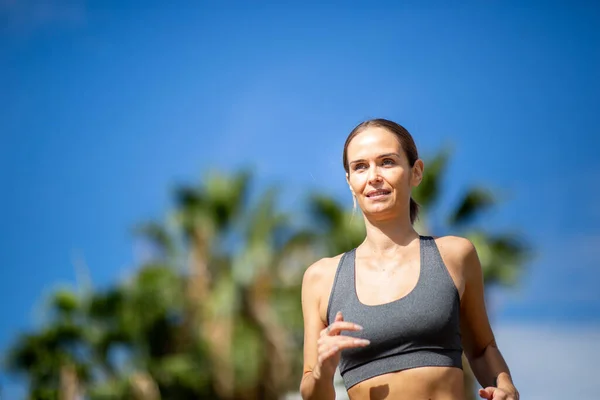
[401,182]
[398,177]
[357,181]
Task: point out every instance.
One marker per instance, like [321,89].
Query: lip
[378,193]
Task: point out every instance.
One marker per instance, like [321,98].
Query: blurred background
[169,171]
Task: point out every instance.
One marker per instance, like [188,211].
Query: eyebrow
[379,156]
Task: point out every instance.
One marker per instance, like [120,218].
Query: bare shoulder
[321,272]
[460,257]
[455,248]
[318,282]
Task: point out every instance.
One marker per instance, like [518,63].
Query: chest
[384,282]
[427,310]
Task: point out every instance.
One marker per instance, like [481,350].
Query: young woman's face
[379,174]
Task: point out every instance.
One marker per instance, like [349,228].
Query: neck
[385,237]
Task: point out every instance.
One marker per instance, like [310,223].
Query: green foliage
[430,189]
[338,230]
[215,312]
[473,202]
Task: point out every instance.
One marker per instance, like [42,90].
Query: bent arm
[315,384]
[490,369]
[316,388]
[485,359]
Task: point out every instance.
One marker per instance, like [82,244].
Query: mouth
[378,193]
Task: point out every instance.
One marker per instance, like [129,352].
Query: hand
[494,393]
[331,342]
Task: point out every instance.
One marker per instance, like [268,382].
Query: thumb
[339,316]
[486,393]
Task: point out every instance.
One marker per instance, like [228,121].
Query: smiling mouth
[378,193]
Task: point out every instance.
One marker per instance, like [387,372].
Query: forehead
[373,141]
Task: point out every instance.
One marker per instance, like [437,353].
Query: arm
[322,345]
[486,361]
[491,370]
[315,384]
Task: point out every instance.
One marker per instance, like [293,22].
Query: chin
[380,212]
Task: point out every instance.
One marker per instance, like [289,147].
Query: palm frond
[429,191]
[475,201]
[158,237]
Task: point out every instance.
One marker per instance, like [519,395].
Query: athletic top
[418,330]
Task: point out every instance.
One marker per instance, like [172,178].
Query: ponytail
[414,210]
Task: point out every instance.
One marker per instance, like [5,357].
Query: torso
[380,281]
[425,383]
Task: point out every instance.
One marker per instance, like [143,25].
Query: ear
[348,182]
[417,173]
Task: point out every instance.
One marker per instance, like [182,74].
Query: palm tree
[51,358]
[138,320]
[245,282]
[204,214]
[241,283]
[171,360]
[215,311]
[209,315]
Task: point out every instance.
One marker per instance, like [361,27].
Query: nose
[374,174]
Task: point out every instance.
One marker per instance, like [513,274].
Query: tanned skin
[387,268]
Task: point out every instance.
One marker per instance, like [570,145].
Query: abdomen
[439,383]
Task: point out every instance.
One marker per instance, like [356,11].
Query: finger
[337,340]
[495,393]
[338,326]
[339,316]
[486,393]
[340,342]
[327,354]
[327,350]
[499,394]
[348,342]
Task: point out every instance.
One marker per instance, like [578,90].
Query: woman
[396,313]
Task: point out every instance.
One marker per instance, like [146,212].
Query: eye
[388,161]
[359,166]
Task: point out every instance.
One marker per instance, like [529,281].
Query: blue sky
[104,108]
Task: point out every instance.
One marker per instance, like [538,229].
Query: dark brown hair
[406,141]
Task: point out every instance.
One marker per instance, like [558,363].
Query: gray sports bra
[418,330]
